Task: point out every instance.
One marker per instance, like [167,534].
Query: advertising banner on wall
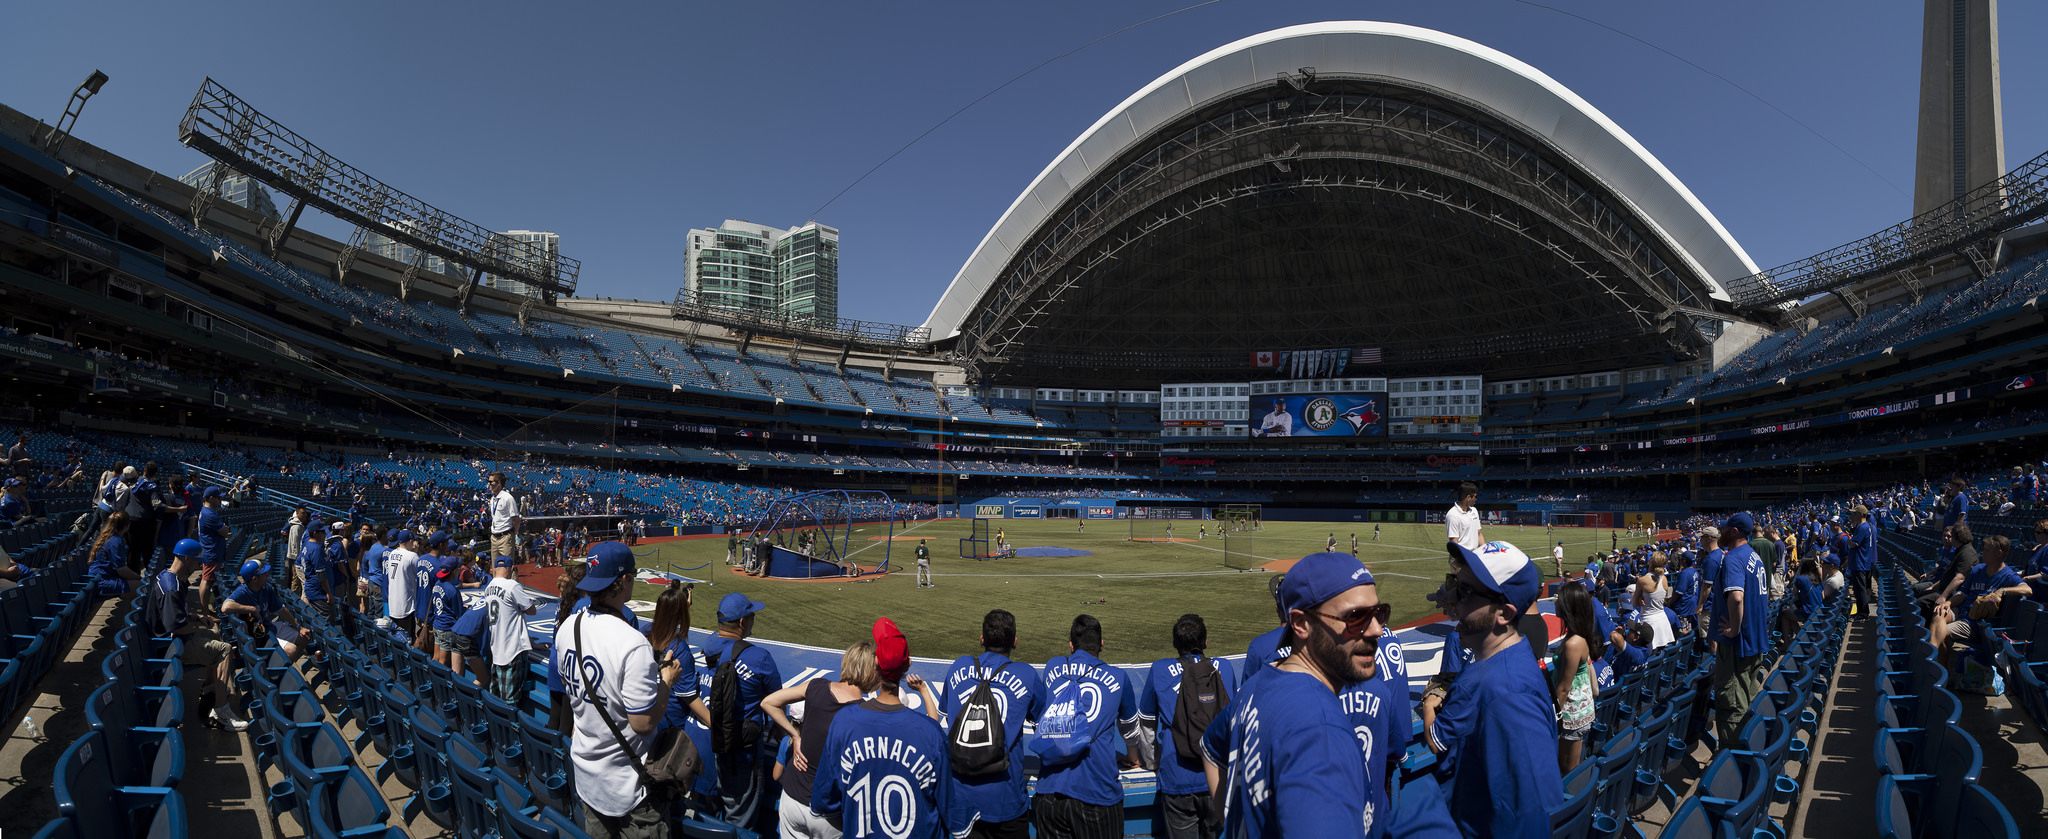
[1317,415]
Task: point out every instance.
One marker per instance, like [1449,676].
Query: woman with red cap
[883,769]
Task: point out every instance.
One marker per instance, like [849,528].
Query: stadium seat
[1649,769]
[1735,789]
[349,807]
[1978,814]
[436,796]
[1617,762]
[547,763]
[1691,821]
[313,757]
[87,794]
[1573,819]
[140,755]
[474,785]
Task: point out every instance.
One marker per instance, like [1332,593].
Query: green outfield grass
[1136,589]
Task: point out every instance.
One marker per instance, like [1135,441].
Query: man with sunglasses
[1496,736]
[1281,758]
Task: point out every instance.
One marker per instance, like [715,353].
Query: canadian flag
[1262,359]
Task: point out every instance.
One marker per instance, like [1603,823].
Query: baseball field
[1137,589]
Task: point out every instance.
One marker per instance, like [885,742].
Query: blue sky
[620,126]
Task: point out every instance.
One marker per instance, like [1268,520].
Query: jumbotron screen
[1317,415]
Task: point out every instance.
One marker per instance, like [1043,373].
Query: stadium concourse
[308,536]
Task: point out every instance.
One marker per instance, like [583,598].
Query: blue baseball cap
[1739,523]
[1503,569]
[401,536]
[213,492]
[438,540]
[608,562]
[254,568]
[503,561]
[735,607]
[448,567]
[186,548]
[1320,576]
[14,482]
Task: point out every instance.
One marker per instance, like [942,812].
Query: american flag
[1365,355]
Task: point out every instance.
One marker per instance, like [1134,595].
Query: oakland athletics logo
[1320,414]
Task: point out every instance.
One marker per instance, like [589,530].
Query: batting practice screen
[1317,415]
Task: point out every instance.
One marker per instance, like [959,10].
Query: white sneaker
[225,719]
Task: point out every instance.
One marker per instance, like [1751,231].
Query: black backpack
[1202,698]
[976,743]
[731,733]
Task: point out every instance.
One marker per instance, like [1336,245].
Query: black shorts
[407,625]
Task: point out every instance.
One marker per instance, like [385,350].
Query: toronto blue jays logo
[1363,417]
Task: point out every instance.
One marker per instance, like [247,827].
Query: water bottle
[28,728]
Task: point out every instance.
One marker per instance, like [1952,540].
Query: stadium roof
[1340,184]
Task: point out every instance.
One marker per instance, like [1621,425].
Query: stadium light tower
[54,140]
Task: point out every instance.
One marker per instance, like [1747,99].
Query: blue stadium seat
[547,763]
[436,796]
[350,807]
[1573,819]
[60,828]
[1735,789]
[1691,821]
[1616,780]
[1649,771]
[508,750]
[88,794]
[312,757]
[140,755]
[474,785]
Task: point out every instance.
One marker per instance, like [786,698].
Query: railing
[266,494]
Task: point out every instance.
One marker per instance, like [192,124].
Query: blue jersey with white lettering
[883,773]
[1744,570]
[1710,583]
[423,586]
[447,605]
[1180,767]
[1291,763]
[1105,701]
[1266,649]
[1382,720]
[1020,698]
[1862,548]
[758,675]
[1502,767]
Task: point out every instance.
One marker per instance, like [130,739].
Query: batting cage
[1169,524]
[1249,550]
[979,543]
[1240,518]
[834,532]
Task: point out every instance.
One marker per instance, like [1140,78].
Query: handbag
[672,764]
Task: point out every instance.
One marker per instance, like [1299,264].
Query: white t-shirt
[504,508]
[398,588]
[508,629]
[629,683]
[1557,553]
[1277,424]
[1462,526]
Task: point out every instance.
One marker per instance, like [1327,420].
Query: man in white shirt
[507,604]
[1461,522]
[400,564]
[1557,557]
[504,517]
[599,644]
[1278,423]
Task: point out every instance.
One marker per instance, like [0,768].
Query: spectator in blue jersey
[204,649]
[1496,737]
[993,805]
[884,767]
[307,555]
[370,587]
[14,504]
[2036,570]
[743,774]
[1955,508]
[424,571]
[1283,759]
[263,608]
[1963,612]
[1186,807]
[213,534]
[450,648]
[108,567]
[1807,595]
[1744,632]
[822,700]
[1860,560]
[1090,710]
[1710,601]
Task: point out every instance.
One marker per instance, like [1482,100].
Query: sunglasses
[1357,621]
[1456,591]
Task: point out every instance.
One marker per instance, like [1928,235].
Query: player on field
[924,566]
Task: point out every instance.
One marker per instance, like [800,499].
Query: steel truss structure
[839,333]
[1963,227]
[222,126]
[1353,212]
